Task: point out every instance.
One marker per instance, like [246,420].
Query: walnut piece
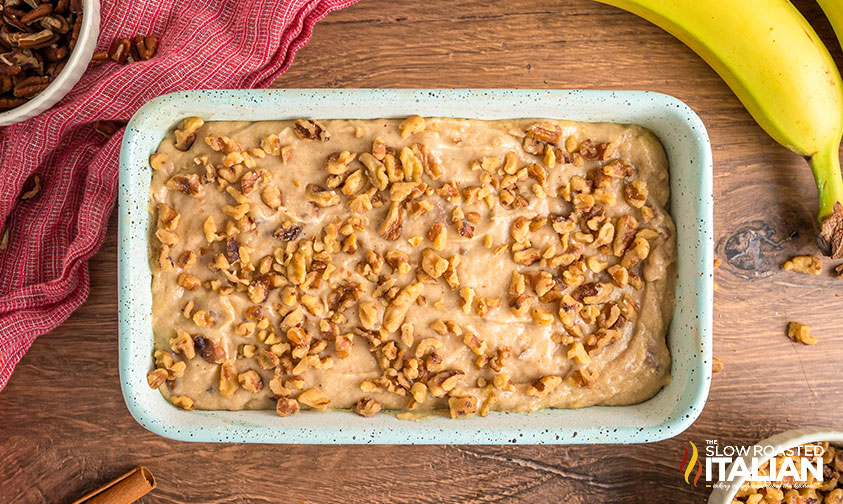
[182,402]
[209,350]
[462,407]
[186,132]
[286,406]
[412,125]
[393,224]
[228,378]
[156,377]
[811,265]
[367,407]
[314,398]
[800,333]
[543,386]
[250,381]
[310,130]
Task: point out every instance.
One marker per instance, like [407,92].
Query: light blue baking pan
[666,415]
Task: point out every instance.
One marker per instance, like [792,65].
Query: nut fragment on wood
[811,265]
[800,333]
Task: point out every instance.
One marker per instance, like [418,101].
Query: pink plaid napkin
[208,44]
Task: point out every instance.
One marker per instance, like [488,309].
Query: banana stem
[825,166]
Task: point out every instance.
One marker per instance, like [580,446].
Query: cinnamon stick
[123,490]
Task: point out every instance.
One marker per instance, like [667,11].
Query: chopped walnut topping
[337,163]
[250,381]
[203,318]
[438,235]
[322,197]
[309,130]
[541,317]
[397,309]
[164,261]
[288,233]
[314,398]
[412,125]
[625,231]
[442,383]
[473,342]
[805,264]
[433,264]
[393,224]
[188,184]
[286,406]
[550,133]
[188,281]
[182,402]
[367,407]
[462,407]
[160,161]
[584,377]
[543,386]
[503,382]
[636,193]
[156,378]
[576,272]
[526,257]
[209,350]
[186,132]
[368,312]
[228,378]
[182,342]
[577,353]
[271,144]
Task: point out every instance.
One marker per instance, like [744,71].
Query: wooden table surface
[65,429]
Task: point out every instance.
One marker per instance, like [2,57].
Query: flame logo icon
[690,464]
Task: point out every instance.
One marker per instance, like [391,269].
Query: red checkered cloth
[208,44]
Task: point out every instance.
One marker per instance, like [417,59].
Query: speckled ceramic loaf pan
[667,414]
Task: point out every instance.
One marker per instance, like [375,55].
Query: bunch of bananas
[780,70]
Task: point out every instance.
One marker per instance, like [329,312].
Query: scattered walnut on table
[800,333]
[804,264]
[716,365]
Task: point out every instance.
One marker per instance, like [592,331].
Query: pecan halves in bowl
[31,86]
[36,37]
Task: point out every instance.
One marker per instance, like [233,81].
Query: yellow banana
[834,12]
[780,70]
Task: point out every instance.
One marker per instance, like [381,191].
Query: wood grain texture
[64,428]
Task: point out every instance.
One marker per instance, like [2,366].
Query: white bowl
[69,76]
[775,444]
